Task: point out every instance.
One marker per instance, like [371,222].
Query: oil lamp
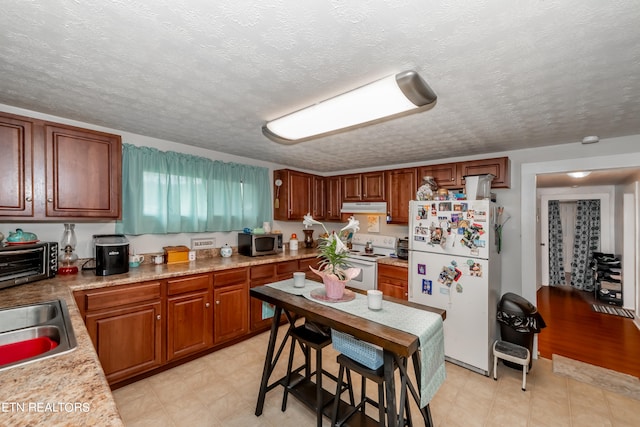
[67,246]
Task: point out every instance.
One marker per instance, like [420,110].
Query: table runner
[425,325]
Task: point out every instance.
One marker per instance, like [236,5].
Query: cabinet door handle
[207,305]
[50,199]
[217,302]
[158,317]
[28,199]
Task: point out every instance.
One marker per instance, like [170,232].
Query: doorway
[532,210]
[568,198]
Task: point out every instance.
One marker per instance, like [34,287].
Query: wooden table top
[390,339]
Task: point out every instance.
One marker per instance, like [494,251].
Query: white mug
[158,259]
[136,258]
[298,279]
[374,299]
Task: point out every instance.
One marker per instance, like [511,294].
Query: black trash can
[519,322]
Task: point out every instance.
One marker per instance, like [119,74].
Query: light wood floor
[574,330]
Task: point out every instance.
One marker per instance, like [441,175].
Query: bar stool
[308,339]
[376,375]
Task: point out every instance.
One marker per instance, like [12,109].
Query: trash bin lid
[515,304]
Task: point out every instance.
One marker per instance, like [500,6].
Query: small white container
[374,299]
[226,251]
[293,243]
[299,279]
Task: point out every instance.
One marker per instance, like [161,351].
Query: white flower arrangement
[333,251]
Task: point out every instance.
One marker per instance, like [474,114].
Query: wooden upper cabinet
[401,188]
[57,171]
[16,166]
[84,170]
[499,167]
[333,198]
[446,175]
[373,186]
[294,197]
[319,198]
[363,187]
[351,187]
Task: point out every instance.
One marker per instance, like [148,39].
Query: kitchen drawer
[188,284]
[286,267]
[121,295]
[262,271]
[229,277]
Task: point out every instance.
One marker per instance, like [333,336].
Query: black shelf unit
[607,278]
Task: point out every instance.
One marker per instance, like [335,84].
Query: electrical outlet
[203,243]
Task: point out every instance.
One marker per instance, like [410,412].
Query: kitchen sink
[34,332]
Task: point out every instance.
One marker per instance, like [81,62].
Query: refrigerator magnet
[422,269]
[475,269]
[427,286]
[458,288]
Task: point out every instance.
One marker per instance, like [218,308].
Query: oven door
[368,277]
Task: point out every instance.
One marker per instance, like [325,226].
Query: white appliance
[454,265]
[380,246]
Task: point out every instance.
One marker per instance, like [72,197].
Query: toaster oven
[27,263]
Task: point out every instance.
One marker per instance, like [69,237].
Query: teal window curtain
[169,192]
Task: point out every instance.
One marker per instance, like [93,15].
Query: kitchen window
[169,192]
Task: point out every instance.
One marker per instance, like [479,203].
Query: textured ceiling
[508,74]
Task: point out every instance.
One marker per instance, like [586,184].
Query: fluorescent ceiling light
[580,174]
[390,97]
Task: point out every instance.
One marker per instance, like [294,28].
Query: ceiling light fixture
[390,97]
[580,174]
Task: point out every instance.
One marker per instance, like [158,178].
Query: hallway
[575,331]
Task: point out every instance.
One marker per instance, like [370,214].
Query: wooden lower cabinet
[260,311]
[393,281]
[231,311]
[140,327]
[261,275]
[303,265]
[125,325]
[189,315]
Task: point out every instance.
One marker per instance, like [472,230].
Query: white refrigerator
[454,265]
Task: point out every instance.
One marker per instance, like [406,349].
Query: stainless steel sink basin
[34,332]
[27,316]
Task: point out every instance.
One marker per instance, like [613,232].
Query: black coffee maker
[111,253]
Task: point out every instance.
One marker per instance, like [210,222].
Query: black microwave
[27,263]
[259,244]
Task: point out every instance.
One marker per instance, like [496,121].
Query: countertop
[71,389]
[394,261]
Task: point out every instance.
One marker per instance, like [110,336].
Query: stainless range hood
[372,208]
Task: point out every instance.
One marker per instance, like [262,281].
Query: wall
[519,201]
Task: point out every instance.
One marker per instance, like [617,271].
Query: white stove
[382,246]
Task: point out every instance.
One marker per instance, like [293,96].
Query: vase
[334,287]
[308,238]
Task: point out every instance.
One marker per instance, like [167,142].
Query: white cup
[158,259]
[136,258]
[298,280]
[374,299]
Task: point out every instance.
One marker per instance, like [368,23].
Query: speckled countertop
[394,261]
[71,389]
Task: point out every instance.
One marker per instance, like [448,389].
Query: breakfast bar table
[398,345]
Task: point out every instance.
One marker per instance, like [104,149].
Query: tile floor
[221,390]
